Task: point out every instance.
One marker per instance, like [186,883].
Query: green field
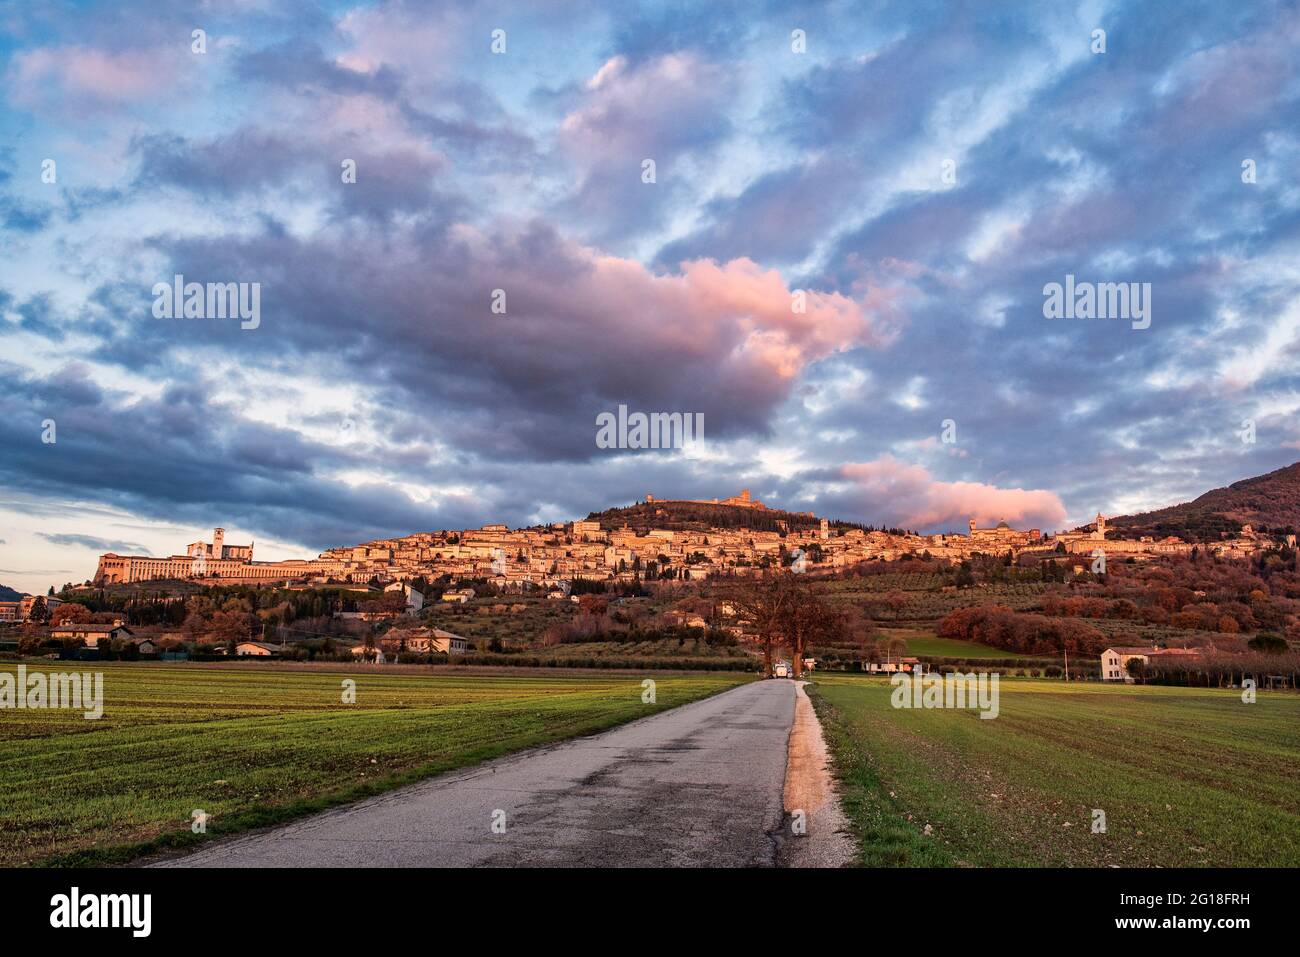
[933,646]
[1185,776]
[254,744]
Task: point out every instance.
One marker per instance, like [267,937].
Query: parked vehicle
[782,670]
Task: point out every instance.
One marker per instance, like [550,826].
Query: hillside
[1268,502]
[8,594]
[701,516]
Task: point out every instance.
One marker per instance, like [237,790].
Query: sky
[840,262]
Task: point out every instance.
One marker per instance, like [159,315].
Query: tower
[218,542]
[972,528]
[826,528]
[1101,525]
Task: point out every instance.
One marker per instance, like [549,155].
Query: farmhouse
[89,632]
[1114,661]
[257,649]
[423,641]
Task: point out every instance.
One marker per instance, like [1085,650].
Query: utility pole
[1067,662]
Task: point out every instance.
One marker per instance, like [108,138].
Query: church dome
[1004,525]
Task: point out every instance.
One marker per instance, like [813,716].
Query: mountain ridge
[1268,502]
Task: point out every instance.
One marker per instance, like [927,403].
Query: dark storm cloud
[578,338]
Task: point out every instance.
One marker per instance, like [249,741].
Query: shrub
[1268,643]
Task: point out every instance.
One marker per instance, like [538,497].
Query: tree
[1268,643]
[40,612]
[68,613]
[803,616]
[760,603]
[233,626]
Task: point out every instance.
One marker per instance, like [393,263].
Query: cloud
[909,496]
[258,162]
[664,110]
[98,544]
[583,332]
[86,77]
[521,172]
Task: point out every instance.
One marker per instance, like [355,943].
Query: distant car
[781,671]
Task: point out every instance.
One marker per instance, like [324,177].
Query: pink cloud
[911,497]
[733,321]
[649,110]
[86,75]
[419,42]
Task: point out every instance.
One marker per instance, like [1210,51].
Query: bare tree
[760,603]
[782,608]
[805,617]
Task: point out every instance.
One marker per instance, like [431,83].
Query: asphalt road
[700,785]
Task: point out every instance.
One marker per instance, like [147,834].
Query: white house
[417,641]
[256,649]
[448,643]
[92,634]
[427,640]
[1114,661]
[414,599]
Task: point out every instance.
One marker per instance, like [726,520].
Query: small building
[374,654]
[447,643]
[91,633]
[892,665]
[458,595]
[256,649]
[423,641]
[414,599]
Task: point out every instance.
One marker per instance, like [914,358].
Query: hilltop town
[650,542]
